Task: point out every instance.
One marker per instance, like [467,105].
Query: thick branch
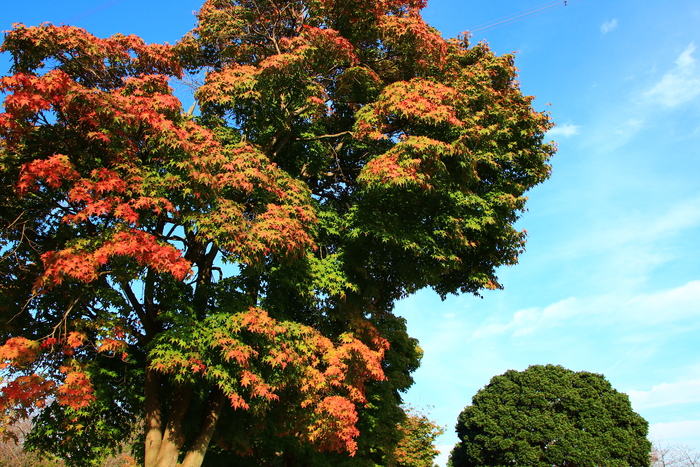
[284,133]
[149,306]
[146,322]
[148,300]
[205,265]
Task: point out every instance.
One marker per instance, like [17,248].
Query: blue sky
[610,281]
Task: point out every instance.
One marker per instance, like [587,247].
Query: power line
[480,28]
[92,11]
[522,15]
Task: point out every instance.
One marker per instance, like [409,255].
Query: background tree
[674,455]
[548,415]
[417,445]
[245,263]
[13,454]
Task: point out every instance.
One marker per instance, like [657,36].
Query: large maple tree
[242,264]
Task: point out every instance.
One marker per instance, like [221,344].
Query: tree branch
[316,138]
[148,325]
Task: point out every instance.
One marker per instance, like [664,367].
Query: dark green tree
[549,416]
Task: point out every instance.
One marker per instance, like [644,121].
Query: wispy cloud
[625,247]
[680,431]
[646,310]
[523,322]
[566,130]
[641,230]
[666,394]
[680,85]
[608,26]
[629,127]
[529,320]
[620,253]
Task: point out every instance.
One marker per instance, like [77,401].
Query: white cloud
[529,320]
[667,306]
[666,394]
[560,311]
[679,432]
[645,310]
[523,322]
[623,251]
[682,216]
[608,26]
[680,85]
[627,247]
[566,130]
[686,59]
[629,127]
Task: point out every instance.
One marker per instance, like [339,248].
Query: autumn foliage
[242,263]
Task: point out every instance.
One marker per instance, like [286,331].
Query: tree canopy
[416,448]
[550,416]
[242,261]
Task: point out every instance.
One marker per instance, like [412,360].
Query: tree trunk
[154,417]
[289,459]
[174,436]
[196,452]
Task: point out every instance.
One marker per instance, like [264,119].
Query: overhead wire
[89,12]
[521,15]
[480,28]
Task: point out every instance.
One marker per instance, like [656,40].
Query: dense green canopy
[549,416]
